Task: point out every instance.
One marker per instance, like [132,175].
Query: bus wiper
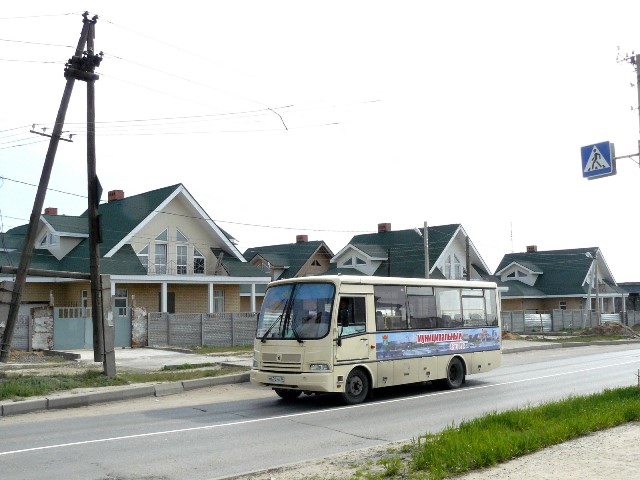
[264,337]
[295,332]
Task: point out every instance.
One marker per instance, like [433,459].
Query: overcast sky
[326,118]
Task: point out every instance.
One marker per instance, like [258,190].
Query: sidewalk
[153,359]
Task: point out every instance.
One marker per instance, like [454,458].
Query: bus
[352,334]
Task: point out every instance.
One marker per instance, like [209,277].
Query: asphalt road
[236,429]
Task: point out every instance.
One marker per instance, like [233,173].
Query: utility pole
[30,239]
[468,257]
[427,267]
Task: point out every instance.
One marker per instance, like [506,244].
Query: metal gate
[73,328]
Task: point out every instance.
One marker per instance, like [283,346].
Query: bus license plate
[277,379]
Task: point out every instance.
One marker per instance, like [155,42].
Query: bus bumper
[305,381]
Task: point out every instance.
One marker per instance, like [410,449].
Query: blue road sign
[598,160]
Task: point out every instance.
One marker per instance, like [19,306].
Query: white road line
[314,412]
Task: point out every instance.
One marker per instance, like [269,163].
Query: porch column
[163,296]
[210,295]
[253,297]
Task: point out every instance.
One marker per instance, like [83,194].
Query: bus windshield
[299,311]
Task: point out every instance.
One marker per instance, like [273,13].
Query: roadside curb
[567,345]
[74,400]
[71,400]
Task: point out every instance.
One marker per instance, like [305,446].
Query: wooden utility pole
[30,239]
[80,67]
[425,237]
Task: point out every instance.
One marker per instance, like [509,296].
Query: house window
[160,259]
[198,261]
[181,259]
[218,301]
[84,299]
[160,253]
[563,305]
[452,268]
[120,302]
[180,238]
[143,256]
[315,263]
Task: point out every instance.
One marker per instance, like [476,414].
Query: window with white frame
[198,261]
[143,256]
[452,267]
[160,252]
[563,305]
[218,301]
[181,259]
[84,299]
[160,258]
[180,237]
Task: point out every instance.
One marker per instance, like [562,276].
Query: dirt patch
[511,336]
[610,329]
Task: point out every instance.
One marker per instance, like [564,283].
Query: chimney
[115,195]
[302,238]
[384,227]
[51,211]
[532,248]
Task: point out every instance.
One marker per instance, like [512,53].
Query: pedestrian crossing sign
[598,160]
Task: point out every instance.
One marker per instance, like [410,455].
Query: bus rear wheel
[455,374]
[287,395]
[356,387]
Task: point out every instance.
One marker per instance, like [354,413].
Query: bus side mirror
[339,339]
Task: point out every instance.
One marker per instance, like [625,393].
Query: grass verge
[497,437]
[20,387]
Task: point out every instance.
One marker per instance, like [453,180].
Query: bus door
[352,342]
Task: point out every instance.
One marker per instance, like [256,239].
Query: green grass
[18,387]
[497,437]
[238,349]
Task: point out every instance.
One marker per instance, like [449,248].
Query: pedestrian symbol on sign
[596,161]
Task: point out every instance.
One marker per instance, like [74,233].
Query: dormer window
[517,274]
[353,261]
[49,239]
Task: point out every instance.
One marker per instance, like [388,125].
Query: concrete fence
[212,329]
[562,320]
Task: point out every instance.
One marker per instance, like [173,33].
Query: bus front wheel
[287,395]
[455,374]
[356,387]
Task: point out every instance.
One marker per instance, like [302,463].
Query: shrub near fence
[211,329]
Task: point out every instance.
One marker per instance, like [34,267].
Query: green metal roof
[291,256]
[563,271]
[68,224]
[403,250]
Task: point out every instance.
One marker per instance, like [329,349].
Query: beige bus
[353,334]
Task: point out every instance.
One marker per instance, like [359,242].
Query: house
[290,260]
[401,253]
[162,250]
[572,279]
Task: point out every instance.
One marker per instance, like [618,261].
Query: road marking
[314,412]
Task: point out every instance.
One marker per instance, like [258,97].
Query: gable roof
[290,257]
[122,219]
[562,272]
[402,251]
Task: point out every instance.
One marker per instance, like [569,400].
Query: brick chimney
[51,211]
[302,238]
[384,227]
[532,248]
[115,195]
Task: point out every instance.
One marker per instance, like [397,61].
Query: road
[235,429]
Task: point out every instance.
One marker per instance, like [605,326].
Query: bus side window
[352,315]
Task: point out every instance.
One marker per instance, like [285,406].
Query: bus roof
[373,280]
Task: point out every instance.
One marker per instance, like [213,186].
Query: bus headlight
[319,367]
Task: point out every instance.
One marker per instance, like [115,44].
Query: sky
[326,118]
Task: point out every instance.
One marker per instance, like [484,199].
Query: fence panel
[212,329]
